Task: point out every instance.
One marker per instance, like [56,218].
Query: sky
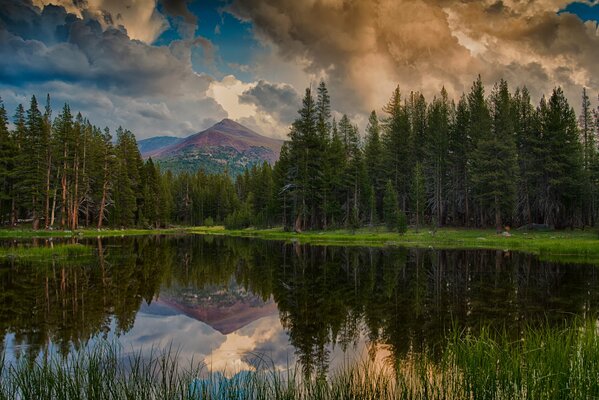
[163,67]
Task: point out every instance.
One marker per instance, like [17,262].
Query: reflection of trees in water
[402,299]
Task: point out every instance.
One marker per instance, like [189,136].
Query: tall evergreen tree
[495,159]
[562,162]
[589,155]
[375,166]
[436,151]
[458,163]
[7,159]
[398,146]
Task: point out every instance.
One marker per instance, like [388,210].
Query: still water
[228,301]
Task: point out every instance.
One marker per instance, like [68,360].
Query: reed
[545,363]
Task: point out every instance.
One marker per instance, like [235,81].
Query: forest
[489,160]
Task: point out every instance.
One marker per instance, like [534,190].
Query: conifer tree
[375,167]
[7,156]
[397,146]
[19,196]
[418,195]
[589,154]
[436,151]
[458,161]
[495,159]
[479,129]
[562,162]
[529,147]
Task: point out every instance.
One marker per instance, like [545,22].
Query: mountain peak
[227,143]
[229,125]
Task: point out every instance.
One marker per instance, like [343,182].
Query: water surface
[230,301]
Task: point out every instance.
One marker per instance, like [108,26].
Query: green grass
[547,363]
[31,234]
[45,252]
[567,246]
[575,246]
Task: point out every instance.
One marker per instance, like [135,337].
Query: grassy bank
[41,233]
[548,363]
[567,246]
[45,252]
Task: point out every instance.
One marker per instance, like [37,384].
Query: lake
[234,302]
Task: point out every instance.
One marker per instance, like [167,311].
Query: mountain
[227,145]
[226,309]
[153,144]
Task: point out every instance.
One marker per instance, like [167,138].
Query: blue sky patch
[584,11]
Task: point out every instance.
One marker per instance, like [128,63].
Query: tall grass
[545,363]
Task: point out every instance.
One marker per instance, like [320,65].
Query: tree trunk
[102,202]
[52,212]
[75,205]
[47,202]
[63,181]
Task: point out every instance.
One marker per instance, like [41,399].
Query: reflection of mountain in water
[225,309]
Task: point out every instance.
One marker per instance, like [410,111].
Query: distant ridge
[227,145]
[153,144]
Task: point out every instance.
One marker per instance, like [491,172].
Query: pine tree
[418,194]
[495,159]
[127,180]
[7,159]
[323,127]
[479,130]
[562,161]
[435,158]
[303,145]
[458,161]
[19,196]
[589,154]
[375,167]
[397,146]
[46,145]
[31,164]
[528,147]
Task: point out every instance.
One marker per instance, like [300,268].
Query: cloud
[280,101]
[148,89]
[364,48]
[139,18]
[187,22]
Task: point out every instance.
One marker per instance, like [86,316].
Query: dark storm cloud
[108,59]
[278,100]
[364,48]
[150,89]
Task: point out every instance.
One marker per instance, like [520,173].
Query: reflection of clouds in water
[156,328]
[263,342]
[260,337]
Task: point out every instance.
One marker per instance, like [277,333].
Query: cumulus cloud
[139,18]
[278,100]
[365,48]
[149,89]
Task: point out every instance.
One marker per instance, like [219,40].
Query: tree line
[487,161]
[491,160]
[66,173]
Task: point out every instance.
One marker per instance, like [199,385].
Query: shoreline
[572,246]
